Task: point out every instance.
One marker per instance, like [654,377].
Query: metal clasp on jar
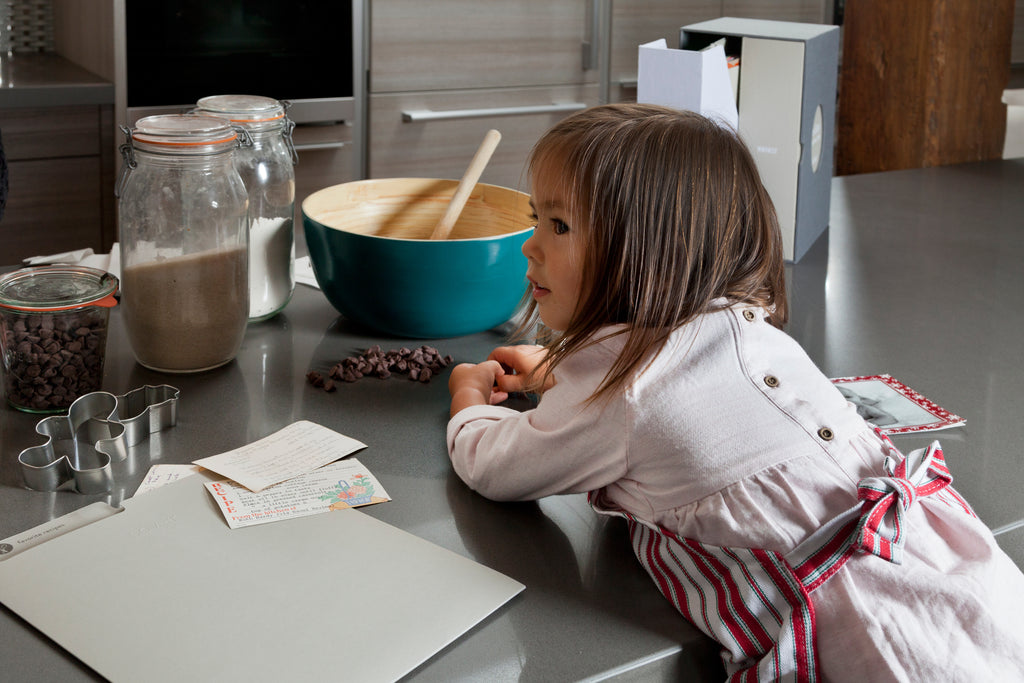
[289,126]
[127,150]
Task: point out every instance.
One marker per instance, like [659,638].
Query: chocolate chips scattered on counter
[419,364]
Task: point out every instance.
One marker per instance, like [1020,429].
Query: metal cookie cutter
[98,430]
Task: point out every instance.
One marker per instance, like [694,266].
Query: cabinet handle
[592,40]
[321,145]
[420,115]
[601,11]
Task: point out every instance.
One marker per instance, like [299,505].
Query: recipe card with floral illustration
[343,484]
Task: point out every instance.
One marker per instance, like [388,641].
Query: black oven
[308,52]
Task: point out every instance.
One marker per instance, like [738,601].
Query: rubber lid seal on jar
[57,288]
[182,133]
[243,108]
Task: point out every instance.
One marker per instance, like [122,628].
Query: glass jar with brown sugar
[184,243]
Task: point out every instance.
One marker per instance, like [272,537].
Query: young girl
[765,509]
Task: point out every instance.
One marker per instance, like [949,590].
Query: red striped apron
[756,603]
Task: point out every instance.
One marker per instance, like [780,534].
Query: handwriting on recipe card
[299,448]
[162,474]
[340,485]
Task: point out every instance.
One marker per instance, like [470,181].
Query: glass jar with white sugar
[267,169]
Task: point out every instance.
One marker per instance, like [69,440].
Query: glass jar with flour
[183,224]
[267,169]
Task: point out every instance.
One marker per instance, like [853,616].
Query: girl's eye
[558,226]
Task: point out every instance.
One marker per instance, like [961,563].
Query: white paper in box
[686,79]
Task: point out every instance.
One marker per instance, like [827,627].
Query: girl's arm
[507,369]
[564,445]
[473,385]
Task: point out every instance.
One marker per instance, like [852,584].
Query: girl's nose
[529,248]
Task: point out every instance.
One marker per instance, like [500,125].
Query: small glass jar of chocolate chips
[53,334]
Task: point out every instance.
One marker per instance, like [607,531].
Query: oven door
[307,52]
[177,51]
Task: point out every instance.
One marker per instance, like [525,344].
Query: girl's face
[554,251]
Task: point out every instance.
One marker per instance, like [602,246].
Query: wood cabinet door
[456,44]
[807,11]
[53,205]
[325,158]
[635,22]
[435,135]
[50,132]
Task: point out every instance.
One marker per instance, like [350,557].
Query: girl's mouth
[539,291]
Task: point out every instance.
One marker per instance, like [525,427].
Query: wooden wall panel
[1017,52]
[921,83]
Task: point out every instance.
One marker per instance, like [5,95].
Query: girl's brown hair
[674,216]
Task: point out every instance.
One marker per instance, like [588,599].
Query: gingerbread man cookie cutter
[97,431]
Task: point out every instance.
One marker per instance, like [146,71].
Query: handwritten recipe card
[297,449]
[339,485]
[294,472]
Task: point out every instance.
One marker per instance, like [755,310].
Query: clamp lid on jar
[243,108]
[254,113]
[184,134]
[57,288]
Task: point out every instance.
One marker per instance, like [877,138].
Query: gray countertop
[919,277]
[43,79]
[585,594]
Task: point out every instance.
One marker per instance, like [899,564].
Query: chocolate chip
[50,359]
[419,364]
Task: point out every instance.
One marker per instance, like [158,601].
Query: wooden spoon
[466,185]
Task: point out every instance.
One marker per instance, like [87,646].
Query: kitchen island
[919,276]
[588,608]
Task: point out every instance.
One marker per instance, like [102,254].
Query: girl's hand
[474,385]
[522,367]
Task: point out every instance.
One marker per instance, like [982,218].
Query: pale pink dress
[734,438]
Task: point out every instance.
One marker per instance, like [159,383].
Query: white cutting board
[165,591]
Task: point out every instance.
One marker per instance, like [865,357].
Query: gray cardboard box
[787,111]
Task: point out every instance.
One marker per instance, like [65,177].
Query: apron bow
[885,501]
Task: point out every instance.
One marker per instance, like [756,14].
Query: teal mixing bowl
[371,254]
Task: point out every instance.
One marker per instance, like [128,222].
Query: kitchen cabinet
[57,124]
[59,168]
[635,22]
[454,44]
[443,73]
[326,154]
[402,144]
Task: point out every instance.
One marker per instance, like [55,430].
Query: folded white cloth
[304,272]
[112,263]
[83,257]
